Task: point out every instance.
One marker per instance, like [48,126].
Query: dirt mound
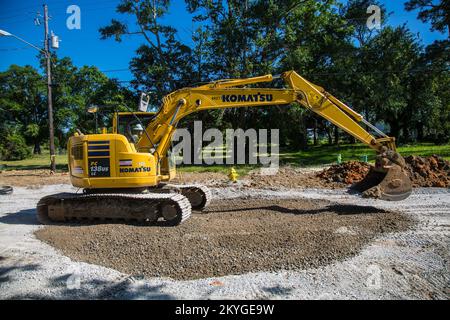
[288,177]
[206,178]
[34,178]
[285,177]
[232,237]
[346,172]
[428,172]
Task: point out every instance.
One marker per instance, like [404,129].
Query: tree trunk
[395,129]
[303,137]
[352,140]
[330,137]
[336,136]
[406,134]
[420,133]
[315,133]
[37,148]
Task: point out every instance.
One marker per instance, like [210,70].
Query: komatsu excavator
[125,176]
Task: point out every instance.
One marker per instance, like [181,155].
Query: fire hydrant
[233,175]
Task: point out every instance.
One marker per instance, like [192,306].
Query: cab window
[130,127]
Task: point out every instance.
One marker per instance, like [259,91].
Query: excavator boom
[387,181]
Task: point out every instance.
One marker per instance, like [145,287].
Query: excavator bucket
[388,180]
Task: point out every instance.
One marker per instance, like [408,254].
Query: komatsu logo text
[133,170]
[247,97]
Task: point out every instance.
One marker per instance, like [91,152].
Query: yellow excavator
[126,176]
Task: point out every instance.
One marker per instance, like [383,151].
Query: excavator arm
[388,180]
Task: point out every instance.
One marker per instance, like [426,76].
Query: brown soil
[345,173]
[236,237]
[206,178]
[428,172]
[423,172]
[32,178]
[286,177]
[289,177]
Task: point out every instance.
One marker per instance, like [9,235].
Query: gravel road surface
[230,237]
[407,257]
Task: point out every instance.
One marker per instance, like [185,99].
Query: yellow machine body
[110,160]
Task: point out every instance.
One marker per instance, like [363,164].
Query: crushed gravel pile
[432,171]
[232,237]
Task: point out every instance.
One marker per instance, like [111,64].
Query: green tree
[250,38]
[317,43]
[162,63]
[78,88]
[437,12]
[395,57]
[433,101]
[23,106]
[13,146]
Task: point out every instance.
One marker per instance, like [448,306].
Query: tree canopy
[385,73]
[23,104]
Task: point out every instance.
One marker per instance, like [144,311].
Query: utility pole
[49,94]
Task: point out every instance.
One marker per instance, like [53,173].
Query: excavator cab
[131,124]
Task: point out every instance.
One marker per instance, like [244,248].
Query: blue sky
[84,46]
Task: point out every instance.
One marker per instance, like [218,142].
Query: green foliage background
[388,75]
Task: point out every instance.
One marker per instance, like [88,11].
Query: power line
[115,70]
[14,49]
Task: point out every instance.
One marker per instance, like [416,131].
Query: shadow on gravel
[278,290]
[6,270]
[26,217]
[71,286]
[340,209]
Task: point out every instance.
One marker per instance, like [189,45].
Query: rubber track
[181,202]
[204,189]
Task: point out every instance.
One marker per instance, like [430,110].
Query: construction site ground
[296,235]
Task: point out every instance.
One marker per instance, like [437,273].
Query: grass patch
[241,169]
[38,161]
[325,154]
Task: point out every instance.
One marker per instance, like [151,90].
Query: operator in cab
[137,132]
